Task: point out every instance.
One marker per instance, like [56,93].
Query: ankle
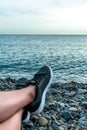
[32,91]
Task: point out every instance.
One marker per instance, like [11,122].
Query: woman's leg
[13,123]
[13,101]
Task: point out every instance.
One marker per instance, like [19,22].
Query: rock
[58,98]
[61,122]
[74,104]
[42,121]
[83,121]
[78,115]
[54,125]
[71,94]
[79,109]
[50,128]
[34,118]
[84,104]
[61,104]
[63,92]
[11,80]
[55,85]
[50,98]
[82,91]
[78,128]
[60,128]
[29,124]
[72,126]
[72,86]
[53,105]
[73,109]
[65,107]
[66,116]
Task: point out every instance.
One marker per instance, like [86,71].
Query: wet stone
[66,116]
[65,107]
[73,109]
[71,94]
[84,104]
[60,128]
[42,121]
[82,91]
[50,98]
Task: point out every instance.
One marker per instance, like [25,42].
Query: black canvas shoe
[25,116]
[42,79]
[21,83]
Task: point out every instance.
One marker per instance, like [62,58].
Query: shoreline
[13,80]
[65,107]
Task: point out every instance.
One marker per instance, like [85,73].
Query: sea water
[23,55]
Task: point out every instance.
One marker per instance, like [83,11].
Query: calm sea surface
[23,55]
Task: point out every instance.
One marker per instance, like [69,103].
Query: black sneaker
[21,83]
[25,116]
[42,79]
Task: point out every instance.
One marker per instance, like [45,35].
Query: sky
[43,16]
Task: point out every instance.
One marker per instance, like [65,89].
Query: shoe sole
[39,110]
[26,120]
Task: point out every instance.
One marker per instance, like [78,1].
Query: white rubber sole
[39,110]
[27,118]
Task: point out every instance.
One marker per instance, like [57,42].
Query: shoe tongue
[31,82]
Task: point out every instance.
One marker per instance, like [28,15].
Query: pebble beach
[65,107]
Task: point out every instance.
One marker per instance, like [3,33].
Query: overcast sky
[43,16]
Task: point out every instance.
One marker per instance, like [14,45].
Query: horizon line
[42,34]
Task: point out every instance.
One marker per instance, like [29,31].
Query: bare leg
[13,123]
[13,101]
